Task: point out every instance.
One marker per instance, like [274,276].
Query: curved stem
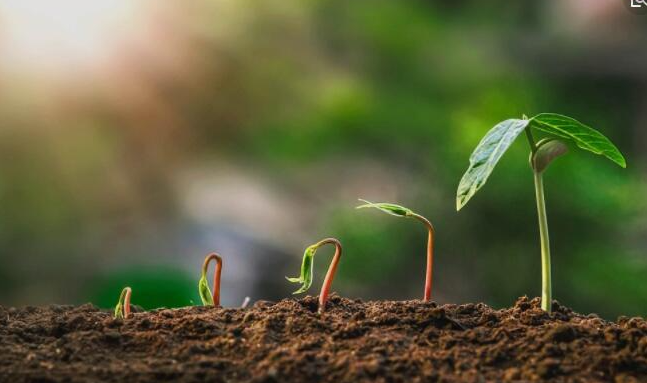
[330,275]
[216,276]
[129,292]
[546,283]
[430,256]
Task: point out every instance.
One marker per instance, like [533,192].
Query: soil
[353,341]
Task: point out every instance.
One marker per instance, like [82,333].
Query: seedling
[558,128]
[401,211]
[208,298]
[245,302]
[122,309]
[305,279]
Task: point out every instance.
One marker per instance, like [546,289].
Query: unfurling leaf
[389,208]
[119,308]
[485,157]
[586,138]
[305,279]
[205,292]
[547,151]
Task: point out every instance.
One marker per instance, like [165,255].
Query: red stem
[430,257]
[127,302]
[330,275]
[216,277]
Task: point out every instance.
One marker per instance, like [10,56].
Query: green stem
[531,140]
[546,286]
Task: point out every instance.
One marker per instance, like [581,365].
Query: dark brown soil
[353,341]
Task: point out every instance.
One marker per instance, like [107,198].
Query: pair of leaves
[497,141]
[388,208]
[305,279]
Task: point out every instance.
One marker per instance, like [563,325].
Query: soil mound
[353,341]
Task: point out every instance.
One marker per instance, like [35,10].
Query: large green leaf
[485,157]
[586,138]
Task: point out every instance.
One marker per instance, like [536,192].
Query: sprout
[122,309]
[495,143]
[401,211]
[245,302]
[305,279]
[209,299]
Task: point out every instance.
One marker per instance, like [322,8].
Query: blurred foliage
[308,93]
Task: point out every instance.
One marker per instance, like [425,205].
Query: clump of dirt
[353,341]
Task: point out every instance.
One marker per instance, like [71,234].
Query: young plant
[305,279]
[401,211]
[122,309]
[208,298]
[558,128]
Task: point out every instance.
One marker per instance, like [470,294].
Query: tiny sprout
[307,266]
[209,299]
[245,302]
[122,309]
[401,211]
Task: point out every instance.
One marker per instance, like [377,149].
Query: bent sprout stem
[401,211]
[330,275]
[122,309]
[546,282]
[430,255]
[209,298]
[305,278]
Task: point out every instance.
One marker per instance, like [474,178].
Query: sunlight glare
[62,35]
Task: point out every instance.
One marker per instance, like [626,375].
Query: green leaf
[205,293]
[586,138]
[119,308]
[305,279]
[547,151]
[485,157]
[389,208]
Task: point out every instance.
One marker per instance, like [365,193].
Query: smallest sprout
[122,309]
[209,299]
[305,279]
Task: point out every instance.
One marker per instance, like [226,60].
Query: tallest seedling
[542,153]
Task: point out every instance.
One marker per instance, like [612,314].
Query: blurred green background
[137,136]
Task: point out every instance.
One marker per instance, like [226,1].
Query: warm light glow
[62,35]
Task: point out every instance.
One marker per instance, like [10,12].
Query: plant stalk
[546,285]
[216,276]
[430,256]
[129,292]
[330,275]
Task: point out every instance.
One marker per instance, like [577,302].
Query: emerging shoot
[305,279]
[122,309]
[401,211]
[208,298]
[495,143]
